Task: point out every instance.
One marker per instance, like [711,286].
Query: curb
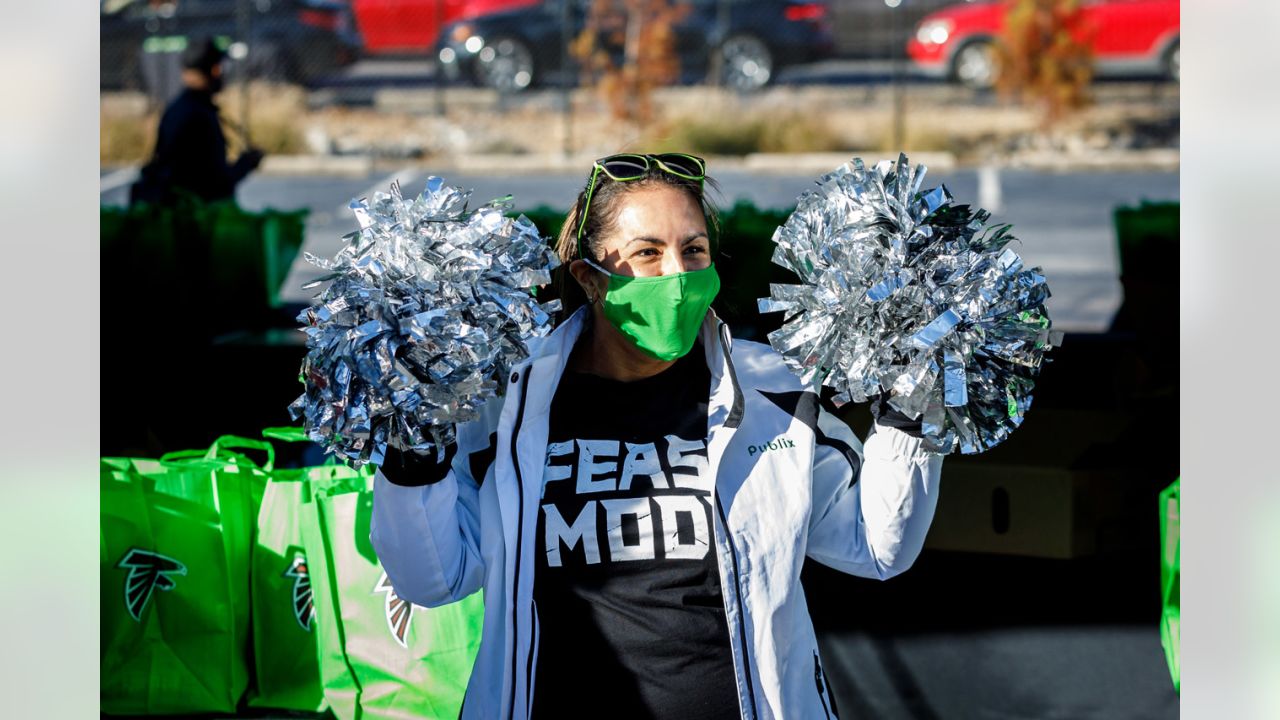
[295,165]
[820,163]
[516,164]
[780,163]
[1159,160]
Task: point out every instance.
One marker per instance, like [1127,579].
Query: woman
[639,507]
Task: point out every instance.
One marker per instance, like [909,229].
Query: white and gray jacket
[791,481]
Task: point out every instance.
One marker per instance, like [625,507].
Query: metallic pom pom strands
[429,307]
[904,292]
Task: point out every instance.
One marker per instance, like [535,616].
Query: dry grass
[127,126]
[779,120]
[790,133]
[276,115]
[125,139]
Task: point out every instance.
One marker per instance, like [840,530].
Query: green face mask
[661,315]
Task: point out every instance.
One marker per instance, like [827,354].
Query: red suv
[1128,38]
[412,27]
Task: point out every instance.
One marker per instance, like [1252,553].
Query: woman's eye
[694,249]
[648,252]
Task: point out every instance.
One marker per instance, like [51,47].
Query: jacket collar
[549,357]
[552,353]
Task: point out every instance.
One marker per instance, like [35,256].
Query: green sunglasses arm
[582,224]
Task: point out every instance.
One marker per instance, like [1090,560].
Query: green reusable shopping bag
[1170,584]
[1147,238]
[286,664]
[282,235]
[251,252]
[234,267]
[245,256]
[380,656]
[142,258]
[174,579]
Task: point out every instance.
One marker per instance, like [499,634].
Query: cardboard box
[1030,496]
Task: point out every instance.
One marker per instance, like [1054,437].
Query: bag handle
[220,454]
[286,433]
[289,433]
[226,442]
[199,459]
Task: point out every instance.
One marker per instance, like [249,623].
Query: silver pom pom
[429,307]
[904,292]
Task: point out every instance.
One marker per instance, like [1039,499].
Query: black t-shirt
[627,587]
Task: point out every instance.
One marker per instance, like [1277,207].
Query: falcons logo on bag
[399,611]
[303,608]
[148,571]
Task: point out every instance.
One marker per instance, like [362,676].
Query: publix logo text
[781,442]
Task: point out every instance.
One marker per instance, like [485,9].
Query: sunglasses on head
[633,166]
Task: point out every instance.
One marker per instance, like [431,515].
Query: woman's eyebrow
[657,241]
[646,239]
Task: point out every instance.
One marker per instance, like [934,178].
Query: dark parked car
[520,48]
[297,41]
[876,29]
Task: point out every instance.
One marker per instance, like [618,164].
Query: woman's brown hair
[601,218]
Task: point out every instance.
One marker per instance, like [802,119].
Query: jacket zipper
[529,671]
[735,415]
[515,591]
[817,679]
[737,596]
[735,412]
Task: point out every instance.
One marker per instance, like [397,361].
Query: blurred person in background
[191,150]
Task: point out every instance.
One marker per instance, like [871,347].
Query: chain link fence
[507,45]
[638,61]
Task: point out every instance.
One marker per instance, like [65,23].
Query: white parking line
[989,189]
[116,180]
[404,175]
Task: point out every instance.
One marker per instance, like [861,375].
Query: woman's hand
[889,416]
[411,469]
